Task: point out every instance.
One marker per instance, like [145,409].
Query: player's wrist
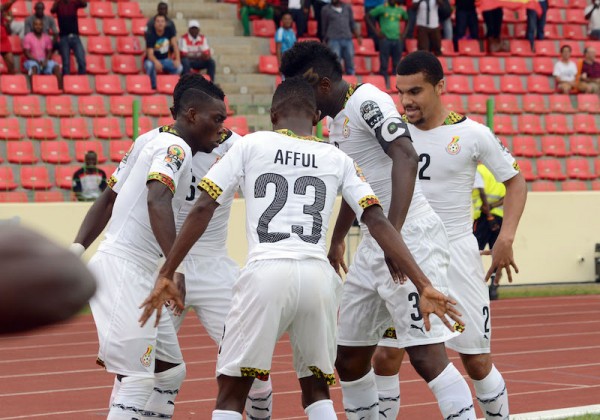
[181,268]
[77,249]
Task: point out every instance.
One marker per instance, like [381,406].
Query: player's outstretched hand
[434,302]
[336,256]
[502,259]
[165,289]
[179,279]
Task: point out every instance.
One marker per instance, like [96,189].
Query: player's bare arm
[402,262]
[162,219]
[96,218]
[514,203]
[405,163]
[338,245]
[193,227]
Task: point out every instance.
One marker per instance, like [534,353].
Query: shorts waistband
[423,209]
[140,262]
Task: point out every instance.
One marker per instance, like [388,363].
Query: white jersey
[214,239]
[448,157]
[290,185]
[166,159]
[370,114]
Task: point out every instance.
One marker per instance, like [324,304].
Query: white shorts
[208,284]
[372,302]
[125,347]
[271,297]
[466,277]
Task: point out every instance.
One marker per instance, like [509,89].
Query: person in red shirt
[589,81]
[5,46]
[195,52]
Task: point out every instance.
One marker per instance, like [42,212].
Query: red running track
[548,350]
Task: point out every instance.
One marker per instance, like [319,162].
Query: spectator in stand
[536,23]
[445,17]
[371,30]
[565,71]
[338,25]
[466,18]
[318,6]
[159,43]
[391,41]
[89,181]
[195,52]
[412,18]
[68,24]
[299,10]
[589,81]
[429,37]
[493,23]
[285,37]
[37,47]
[48,24]
[161,10]
[592,13]
[254,8]
[5,45]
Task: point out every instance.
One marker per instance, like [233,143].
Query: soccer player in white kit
[290,180]
[367,126]
[450,146]
[208,292]
[142,227]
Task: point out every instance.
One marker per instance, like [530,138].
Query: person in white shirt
[450,146]
[565,71]
[195,52]
[367,126]
[290,180]
[592,13]
[429,35]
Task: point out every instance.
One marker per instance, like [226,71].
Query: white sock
[453,394]
[259,404]
[388,389]
[492,395]
[226,415]
[321,410]
[360,398]
[130,400]
[166,387]
[115,391]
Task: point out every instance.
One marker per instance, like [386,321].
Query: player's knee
[387,360]
[429,361]
[478,366]
[131,398]
[352,363]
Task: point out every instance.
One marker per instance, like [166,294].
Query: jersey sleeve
[496,157]
[478,183]
[356,191]
[225,174]
[168,157]
[120,174]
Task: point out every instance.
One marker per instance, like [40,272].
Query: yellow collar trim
[290,133]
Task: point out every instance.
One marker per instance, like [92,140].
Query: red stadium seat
[13,196]
[84,146]
[3,69]
[155,106]
[596,185]
[129,45]
[100,45]
[543,186]
[109,84]
[239,124]
[454,102]
[443,61]
[360,65]
[4,106]
[10,129]
[27,106]
[77,85]
[516,65]
[125,64]
[165,121]
[554,146]
[144,125]
[95,64]
[122,105]
[575,32]
[92,106]
[448,48]
[19,9]
[87,27]
[107,128]
[520,48]
[535,104]
[63,176]
[117,149]
[477,104]
[550,169]
[539,84]
[367,47]
[526,170]
[40,129]
[576,50]
[579,168]
[165,83]
[55,152]
[503,124]
[48,197]
[45,85]
[543,65]
[470,47]
[575,16]
[490,65]
[588,102]
[585,123]
[573,186]
[35,178]
[376,80]
[512,84]
[267,64]
[101,9]
[13,84]
[554,16]
[15,42]
[74,128]
[557,124]
[507,104]
[546,48]
[525,146]
[138,26]
[410,45]
[21,152]
[551,32]
[582,146]
[264,28]
[561,104]
[464,65]
[115,27]
[458,84]
[7,178]
[140,84]
[129,9]
[530,124]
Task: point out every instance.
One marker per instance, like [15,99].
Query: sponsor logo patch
[175,157]
[370,112]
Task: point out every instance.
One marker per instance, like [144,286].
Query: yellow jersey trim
[368,201]
[211,188]
[163,179]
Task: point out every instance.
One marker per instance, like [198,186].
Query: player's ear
[440,87]
[325,85]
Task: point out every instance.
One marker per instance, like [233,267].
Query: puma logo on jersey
[415,327]
[308,160]
[453,147]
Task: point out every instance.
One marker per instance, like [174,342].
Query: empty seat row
[38,196]
[39,178]
[571,185]
[97,9]
[59,152]
[527,146]
[551,169]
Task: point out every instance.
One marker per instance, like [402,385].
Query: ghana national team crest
[453,147]
[146,358]
[345,128]
[175,157]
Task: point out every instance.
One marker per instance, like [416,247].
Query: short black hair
[566,46]
[39,4]
[294,95]
[311,60]
[197,82]
[421,62]
[91,153]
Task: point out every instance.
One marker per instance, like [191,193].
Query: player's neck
[182,132]
[298,126]
[437,120]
